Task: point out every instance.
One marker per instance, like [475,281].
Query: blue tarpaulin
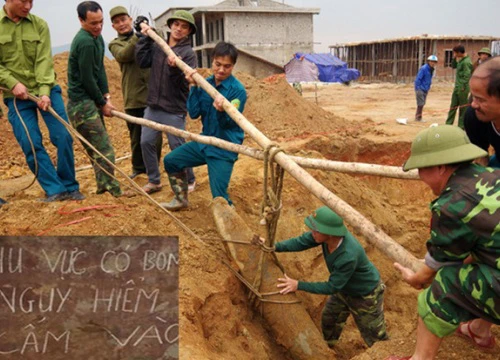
[330,68]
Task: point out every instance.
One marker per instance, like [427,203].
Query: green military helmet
[326,221]
[484,50]
[441,145]
[185,16]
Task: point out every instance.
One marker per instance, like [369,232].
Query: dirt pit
[355,123]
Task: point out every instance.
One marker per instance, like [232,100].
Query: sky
[337,22]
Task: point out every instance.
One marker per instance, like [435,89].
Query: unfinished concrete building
[267,33]
[398,60]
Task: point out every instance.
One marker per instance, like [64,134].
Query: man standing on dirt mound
[459,98]
[217,123]
[461,264]
[88,94]
[482,118]
[423,83]
[134,82]
[354,284]
[26,67]
[168,90]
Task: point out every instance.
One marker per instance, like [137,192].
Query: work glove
[138,21]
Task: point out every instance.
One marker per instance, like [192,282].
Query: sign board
[89,298]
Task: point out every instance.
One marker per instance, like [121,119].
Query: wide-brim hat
[184,16]
[441,145]
[326,221]
[484,50]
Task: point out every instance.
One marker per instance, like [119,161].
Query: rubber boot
[418,114]
[179,184]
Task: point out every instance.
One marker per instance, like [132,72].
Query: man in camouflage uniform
[354,284]
[89,96]
[461,263]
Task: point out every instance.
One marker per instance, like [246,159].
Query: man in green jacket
[354,284]
[88,94]
[134,82]
[459,98]
[26,67]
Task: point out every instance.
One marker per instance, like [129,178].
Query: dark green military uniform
[460,95]
[354,285]
[87,84]
[465,221]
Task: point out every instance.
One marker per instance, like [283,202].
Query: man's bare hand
[408,276]
[145,28]
[189,76]
[44,102]
[288,285]
[106,109]
[171,61]
[20,91]
[218,103]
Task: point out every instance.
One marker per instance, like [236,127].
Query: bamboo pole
[320,164]
[358,222]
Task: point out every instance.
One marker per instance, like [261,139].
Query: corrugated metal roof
[420,37]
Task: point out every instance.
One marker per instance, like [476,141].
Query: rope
[270,210]
[132,183]
[255,242]
[271,202]
[254,290]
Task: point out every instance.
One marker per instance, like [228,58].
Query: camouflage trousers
[87,119]
[460,293]
[368,313]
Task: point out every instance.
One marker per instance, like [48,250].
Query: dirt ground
[348,123]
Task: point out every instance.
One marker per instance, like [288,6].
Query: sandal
[490,344]
[151,188]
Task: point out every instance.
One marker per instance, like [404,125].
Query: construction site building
[398,60]
[267,33]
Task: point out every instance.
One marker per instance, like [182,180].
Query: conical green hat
[485,50]
[440,145]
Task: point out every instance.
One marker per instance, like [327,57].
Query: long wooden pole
[358,222]
[322,164]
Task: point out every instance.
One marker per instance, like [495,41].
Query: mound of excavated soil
[216,320]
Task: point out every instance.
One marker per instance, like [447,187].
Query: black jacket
[168,88]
